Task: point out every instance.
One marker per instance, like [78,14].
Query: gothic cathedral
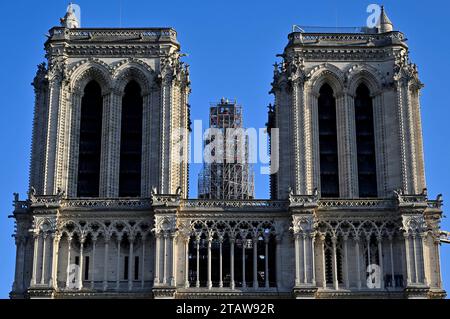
[108,216]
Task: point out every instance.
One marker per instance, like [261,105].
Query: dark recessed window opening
[125,268]
[136,268]
[90,141]
[365,141]
[329,163]
[131,142]
[86,268]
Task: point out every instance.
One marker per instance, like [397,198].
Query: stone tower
[107,70]
[348,112]
[348,104]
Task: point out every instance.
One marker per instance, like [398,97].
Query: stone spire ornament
[70,20]
[385,23]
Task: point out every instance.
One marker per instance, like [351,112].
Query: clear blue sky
[231,46]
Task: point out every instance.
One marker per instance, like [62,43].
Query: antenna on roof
[120,13]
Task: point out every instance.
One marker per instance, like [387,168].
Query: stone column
[301,126]
[315,145]
[347,282]
[392,261]
[313,259]
[143,263]
[19,264]
[146,144]
[346,145]
[244,282]
[173,256]
[408,258]
[297,260]
[69,251]
[72,187]
[407,138]
[105,264]
[94,267]
[416,262]
[209,283]
[335,264]
[130,263]
[81,271]
[186,264]
[358,263]
[380,257]
[52,148]
[436,244]
[324,262]
[232,283]
[266,262]
[197,284]
[157,280]
[220,262]
[421,263]
[165,269]
[119,241]
[380,142]
[165,136]
[255,262]
[55,261]
[110,153]
[35,258]
[44,257]
[305,260]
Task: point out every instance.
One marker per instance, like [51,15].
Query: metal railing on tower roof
[314,29]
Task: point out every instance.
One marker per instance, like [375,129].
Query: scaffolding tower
[230,176]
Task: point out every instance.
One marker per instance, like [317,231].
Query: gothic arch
[133,71]
[44,225]
[364,74]
[367,228]
[88,71]
[69,228]
[141,228]
[326,74]
[120,228]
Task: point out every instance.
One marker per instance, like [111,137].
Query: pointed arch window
[131,142]
[329,162]
[90,141]
[365,141]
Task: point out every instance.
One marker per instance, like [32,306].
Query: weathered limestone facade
[300,244]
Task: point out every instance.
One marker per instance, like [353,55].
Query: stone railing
[245,205]
[302,201]
[152,34]
[357,204]
[107,204]
[235,204]
[45,201]
[166,200]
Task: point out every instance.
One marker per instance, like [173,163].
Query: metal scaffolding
[229,176]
